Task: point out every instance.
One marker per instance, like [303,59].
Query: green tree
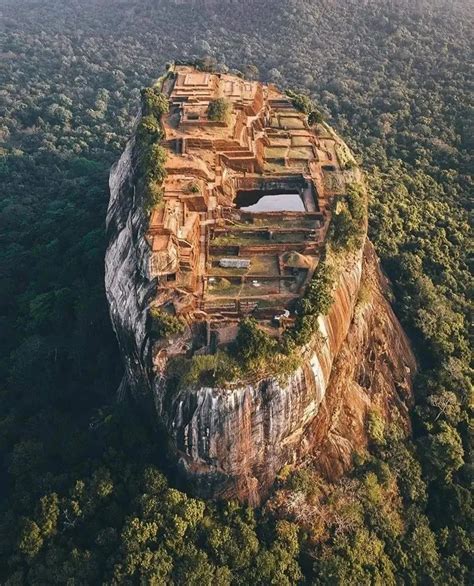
[444,451]
[31,540]
[154,103]
[220,110]
[315,117]
[357,559]
[165,324]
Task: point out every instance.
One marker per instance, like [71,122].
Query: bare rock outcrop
[232,442]
[373,371]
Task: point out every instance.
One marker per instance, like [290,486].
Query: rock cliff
[231,442]
[372,372]
[127,284]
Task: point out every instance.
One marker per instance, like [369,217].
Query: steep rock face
[373,371]
[232,443]
[127,284]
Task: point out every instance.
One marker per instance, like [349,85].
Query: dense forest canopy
[84,498]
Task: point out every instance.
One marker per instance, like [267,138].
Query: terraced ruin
[246,204]
[237,224]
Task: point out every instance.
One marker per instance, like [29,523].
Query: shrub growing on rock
[301,102]
[347,226]
[252,345]
[164,324]
[315,117]
[316,301]
[219,110]
[154,103]
[149,128]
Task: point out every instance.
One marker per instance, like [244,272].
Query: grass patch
[205,370]
[297,141]
[231,290]
[238,238]
[276,152]
[301,153]
[291,122]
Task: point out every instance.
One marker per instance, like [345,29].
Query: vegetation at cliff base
[85,495]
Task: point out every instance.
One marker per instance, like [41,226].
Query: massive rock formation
[232,442]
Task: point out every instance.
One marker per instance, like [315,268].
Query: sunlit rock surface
[232,442]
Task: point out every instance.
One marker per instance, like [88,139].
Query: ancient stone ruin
[246,204]
[242,228]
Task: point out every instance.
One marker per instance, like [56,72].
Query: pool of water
[256,201]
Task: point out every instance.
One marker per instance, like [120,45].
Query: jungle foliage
[83,494]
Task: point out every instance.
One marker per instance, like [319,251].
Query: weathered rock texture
[233,442]
[127,283]
[372,371]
